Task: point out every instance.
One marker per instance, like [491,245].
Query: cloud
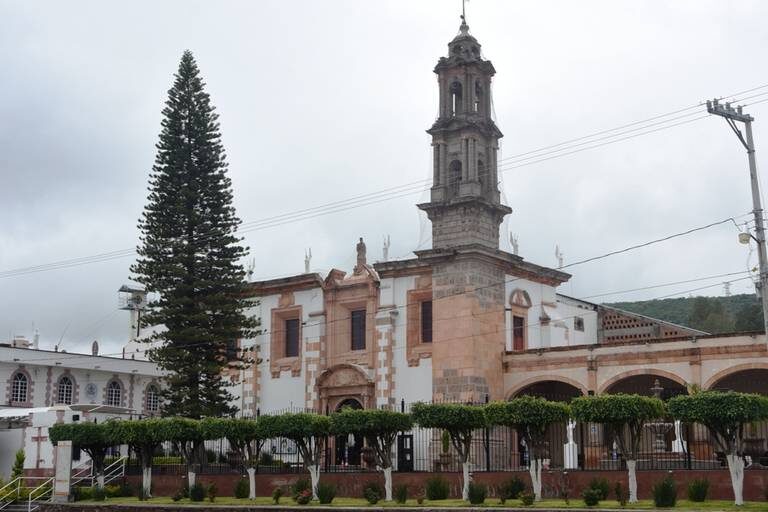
[320,101]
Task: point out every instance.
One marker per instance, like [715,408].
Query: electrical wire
[68,355]
[505,281]
[407,189]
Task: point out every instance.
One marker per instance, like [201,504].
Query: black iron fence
[665,445]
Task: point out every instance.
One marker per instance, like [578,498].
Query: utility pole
[731,116]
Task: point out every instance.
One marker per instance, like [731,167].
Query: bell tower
[465,206]
[468,269]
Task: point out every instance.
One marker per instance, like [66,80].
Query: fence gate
[405,452]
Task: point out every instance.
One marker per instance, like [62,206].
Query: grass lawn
[490,503]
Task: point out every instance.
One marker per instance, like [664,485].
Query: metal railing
[10,492]
[43,493]
[664,445]
[83,474]
[13,492]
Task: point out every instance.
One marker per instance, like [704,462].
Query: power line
[68,355]
[504,282]
[664,239]
[642,121]
[667,284]
[390,193]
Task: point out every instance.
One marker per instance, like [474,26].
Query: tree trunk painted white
[251,483]
[100,480]
[387,483]
[146,481]
[736,468]
[190,478]
[314,475]
[467,477]
[535,470]
[632,478]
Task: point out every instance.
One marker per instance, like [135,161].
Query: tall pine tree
[189,255]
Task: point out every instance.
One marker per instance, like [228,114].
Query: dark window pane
[426,321]
[292,337]
[518,338]
[358,329]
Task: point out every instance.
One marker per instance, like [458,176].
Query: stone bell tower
[468,269]
[464,205]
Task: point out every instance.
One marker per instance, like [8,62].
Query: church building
[462,321]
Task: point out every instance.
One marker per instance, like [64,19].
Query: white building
[42,387]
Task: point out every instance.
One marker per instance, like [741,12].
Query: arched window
[19,388]
[454,175]
[478,97]
[114,394]
[520,302]
[456,97]
[153,399]
[64,394]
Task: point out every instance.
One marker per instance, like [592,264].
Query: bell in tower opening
[465,206]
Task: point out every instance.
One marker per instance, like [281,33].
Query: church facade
[464,320]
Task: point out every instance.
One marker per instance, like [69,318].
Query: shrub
[98,494]
[527,498]
[304,497]
[325,493]
[160,460]
[242,489]
[437,489]
[178,496]
[400,493]
[477,493]
[83,493]
[372,492]
[371,496]
[665,493]
[210,456]
[112,491]
[18,465]
[212,490]
[277,493]
[299,486]
[591,496]
[621,496]
[511,489]
[197,492]
[602,487]
[698,489]
[445,441]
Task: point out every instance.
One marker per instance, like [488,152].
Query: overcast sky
[323,101]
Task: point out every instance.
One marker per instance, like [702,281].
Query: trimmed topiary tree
[623,417]
[245,436]
[724,414]
[530,417]
[93,438]
[379,428]
[144,436]
[459,421]
[310,432]
[188,438]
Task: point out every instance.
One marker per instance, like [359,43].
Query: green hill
[736,313]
